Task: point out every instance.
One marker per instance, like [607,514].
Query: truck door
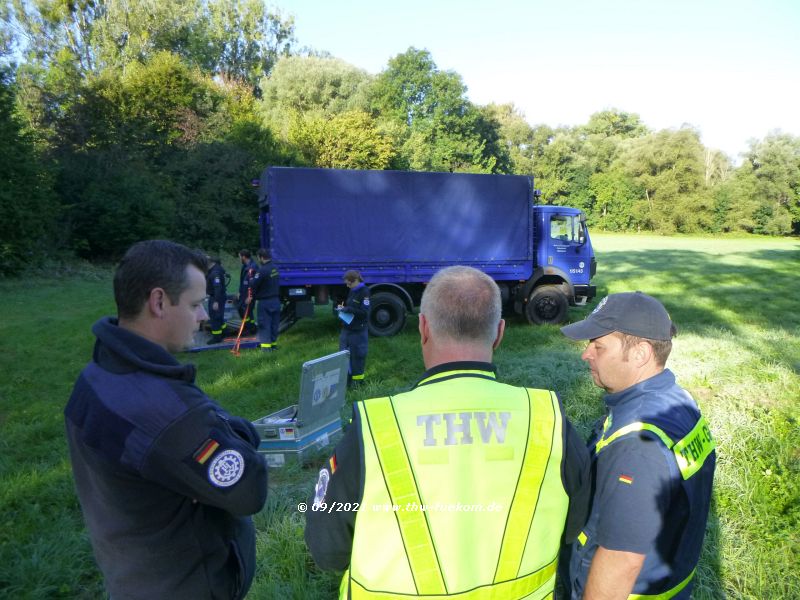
[568,247]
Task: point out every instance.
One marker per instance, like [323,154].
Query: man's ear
[156,301]
[642,353]
[424,330]
[501,328]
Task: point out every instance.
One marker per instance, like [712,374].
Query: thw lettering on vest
[697,444]
[457,428]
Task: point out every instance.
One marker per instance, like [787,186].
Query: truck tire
[547,305]
[387,314]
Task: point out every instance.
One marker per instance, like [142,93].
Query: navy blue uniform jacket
[165,477]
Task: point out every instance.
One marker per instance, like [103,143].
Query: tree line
[121,121]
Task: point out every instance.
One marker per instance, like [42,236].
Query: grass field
[735,301]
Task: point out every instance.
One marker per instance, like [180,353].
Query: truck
[398,228]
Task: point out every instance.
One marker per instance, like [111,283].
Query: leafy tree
[666,166]
[615,123]
[349,140]
[27,208]
[117,198]
[244,39]
[523,144]
[305,83]
[233,39]
[614,199]
[445,131]
[770,179]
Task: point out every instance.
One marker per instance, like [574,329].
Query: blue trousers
[358,344]
[216,318]
[269,319]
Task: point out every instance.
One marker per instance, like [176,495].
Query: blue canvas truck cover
[318,216]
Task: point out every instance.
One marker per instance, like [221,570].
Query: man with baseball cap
[653,460]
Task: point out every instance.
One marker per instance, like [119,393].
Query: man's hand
[612,574]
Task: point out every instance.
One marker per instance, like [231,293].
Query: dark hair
[263,253]
[151,264]
[245,253]
[352,275]
[661,348]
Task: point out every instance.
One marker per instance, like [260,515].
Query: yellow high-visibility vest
[463,495]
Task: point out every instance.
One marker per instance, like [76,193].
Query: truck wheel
[547,306]
[387,314]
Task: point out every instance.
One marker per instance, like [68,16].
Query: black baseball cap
[633,313]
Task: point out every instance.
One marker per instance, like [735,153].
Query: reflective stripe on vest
[690,452]
[411,469]
[540,436]
[666,595]
[403,491]
[515,588]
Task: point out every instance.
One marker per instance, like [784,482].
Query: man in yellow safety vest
[462,487]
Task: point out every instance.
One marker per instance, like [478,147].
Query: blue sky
[729,68]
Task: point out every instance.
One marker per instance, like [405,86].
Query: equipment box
[294,433]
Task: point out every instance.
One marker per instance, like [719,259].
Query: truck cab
[564,265]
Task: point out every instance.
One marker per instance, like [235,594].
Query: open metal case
[295,432]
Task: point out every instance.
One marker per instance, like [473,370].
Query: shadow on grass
[707,294]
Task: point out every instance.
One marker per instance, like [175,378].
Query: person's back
[464,483]
[482,487]
[164,475]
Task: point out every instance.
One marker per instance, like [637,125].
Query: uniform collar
[450,370]
[663,380]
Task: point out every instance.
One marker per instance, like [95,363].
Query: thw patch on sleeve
[626,478]
[226,469]
[321,487]
[366,301]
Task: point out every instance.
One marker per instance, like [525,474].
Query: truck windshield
[564,228]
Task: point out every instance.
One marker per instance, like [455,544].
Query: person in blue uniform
[249,268]
[653,459]
[215,288]
[166,478]
[266,292]
[354,313]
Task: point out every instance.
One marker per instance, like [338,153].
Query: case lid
[323,383]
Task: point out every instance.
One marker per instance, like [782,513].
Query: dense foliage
[128,120]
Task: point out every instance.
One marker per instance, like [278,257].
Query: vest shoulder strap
[403,491]
[690,451]
[542,419]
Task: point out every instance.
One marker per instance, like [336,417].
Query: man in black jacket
[248,270]
[166,478]
[215,288]
[266,291]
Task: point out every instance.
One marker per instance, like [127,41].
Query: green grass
[738,352]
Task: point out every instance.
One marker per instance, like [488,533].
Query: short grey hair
[463,304]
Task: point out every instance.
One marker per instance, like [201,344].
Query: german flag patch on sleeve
[205,451]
